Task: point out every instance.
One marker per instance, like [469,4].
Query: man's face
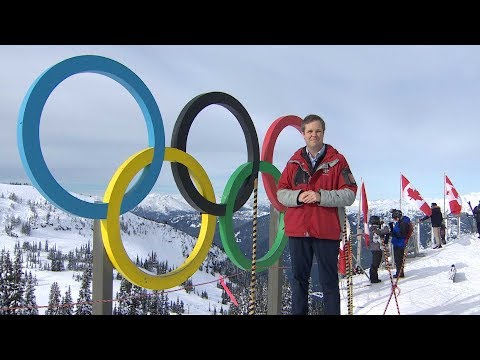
[313,134]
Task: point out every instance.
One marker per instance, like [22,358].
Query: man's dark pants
[302,250]
[376,261]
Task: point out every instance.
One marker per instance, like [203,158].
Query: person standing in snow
[476,214]
[378,233]
[399,231]
[436,219]
[315,186]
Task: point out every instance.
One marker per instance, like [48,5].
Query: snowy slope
[68,232]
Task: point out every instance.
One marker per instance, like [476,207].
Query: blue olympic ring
[29,124]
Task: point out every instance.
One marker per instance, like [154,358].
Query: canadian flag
[454,199]
[366,230]
[342,256]
[414,197]
[342,262]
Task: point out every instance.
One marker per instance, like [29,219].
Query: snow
[149,236]
[425,290]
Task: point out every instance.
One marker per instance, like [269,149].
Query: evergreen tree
[67,306]
[7,286]
[286,295]
[134,303]
[241,292]
[154,303]
[164,304]
[54,300]
[123,296]
[138,301]
[72,263]
[30,299]
[18,285]
[84,302]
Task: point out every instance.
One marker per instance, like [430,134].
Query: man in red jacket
[316,186]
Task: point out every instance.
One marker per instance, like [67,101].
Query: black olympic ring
[179,141]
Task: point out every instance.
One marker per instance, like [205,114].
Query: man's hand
[309,197]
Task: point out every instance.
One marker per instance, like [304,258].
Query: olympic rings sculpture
[117,200]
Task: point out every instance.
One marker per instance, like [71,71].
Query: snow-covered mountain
[23,204]
[167,204]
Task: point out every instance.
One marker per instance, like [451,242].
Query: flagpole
[444,191]
[400,191]
[444,204]
[359,231]
[359,209]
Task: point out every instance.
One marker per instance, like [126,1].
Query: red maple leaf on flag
[414,194]
[455,193]
[454,199]
[411,194]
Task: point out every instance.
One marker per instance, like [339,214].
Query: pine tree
[123,296]
[67,306]
[18,285]
[153,303]
[29,294]
[6,283]
[54,300]
[84,302]
[164,304]
[286,295]
[242,294]
[137,303]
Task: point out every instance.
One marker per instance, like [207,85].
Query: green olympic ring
[235,194]
[226,225]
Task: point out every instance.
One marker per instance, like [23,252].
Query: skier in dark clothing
[436,219]
[476,214]
[399,232]
[379,233]
[443,233]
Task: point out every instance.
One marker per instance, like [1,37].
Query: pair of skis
[394,284]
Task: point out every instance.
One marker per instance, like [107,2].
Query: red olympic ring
[267,154]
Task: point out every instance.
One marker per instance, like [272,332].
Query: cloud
[388,108]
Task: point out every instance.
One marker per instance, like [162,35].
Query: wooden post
[275,273]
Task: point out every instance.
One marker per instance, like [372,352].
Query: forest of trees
[17,285]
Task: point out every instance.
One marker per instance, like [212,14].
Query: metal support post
[275,272]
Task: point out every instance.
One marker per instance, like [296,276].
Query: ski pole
[398,277]
[387,263]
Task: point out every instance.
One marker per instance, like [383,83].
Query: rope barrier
[253,281]
[348,251]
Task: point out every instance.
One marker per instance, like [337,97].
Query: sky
[390,109]
[425,290]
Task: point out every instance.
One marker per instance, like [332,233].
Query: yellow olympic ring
[110,226]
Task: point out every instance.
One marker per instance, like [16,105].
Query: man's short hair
[311,118]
